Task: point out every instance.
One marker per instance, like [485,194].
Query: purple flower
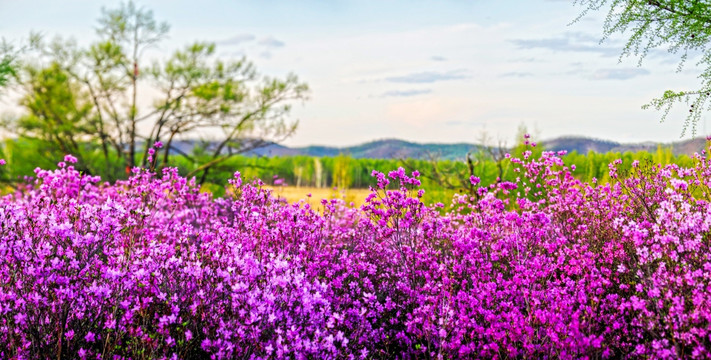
[564,267]
[70,159]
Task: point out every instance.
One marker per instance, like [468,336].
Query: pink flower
[70,159]
[482,276]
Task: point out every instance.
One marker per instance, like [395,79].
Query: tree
[342,178]
[682,25]
[7,68]
[197,92]
[457,175]
[57,110]
[8,60]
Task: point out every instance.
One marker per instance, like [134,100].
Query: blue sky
[425,71]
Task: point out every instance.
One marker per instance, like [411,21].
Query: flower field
[544,267]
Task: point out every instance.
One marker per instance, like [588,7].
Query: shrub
[546,266]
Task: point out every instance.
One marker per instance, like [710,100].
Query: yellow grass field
[293,194]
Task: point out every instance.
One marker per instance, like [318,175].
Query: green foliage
[342,176]
[131,27]
[6,70]
[95,91]
[327,171]
[588,166]
[57,112]
[16,153]
[683,26]
[8,62]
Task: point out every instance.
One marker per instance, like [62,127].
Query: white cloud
[516,74]
[271,42]
[405,93]
[619,74]
[429,77]
[238,39]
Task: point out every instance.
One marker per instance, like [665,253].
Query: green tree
[9,59]
[197,91]
[486,161]
[342,178]
[683,26]
[57,111]
[7,68]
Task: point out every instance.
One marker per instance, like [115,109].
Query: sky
[441,71]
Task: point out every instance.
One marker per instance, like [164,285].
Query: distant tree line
[343,171]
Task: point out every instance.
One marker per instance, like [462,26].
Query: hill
[584,145]
[396,149]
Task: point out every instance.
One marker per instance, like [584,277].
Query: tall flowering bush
[543,267]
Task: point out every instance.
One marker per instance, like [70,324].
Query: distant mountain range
[583,145]
[395,149]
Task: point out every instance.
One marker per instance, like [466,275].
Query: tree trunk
[132,115]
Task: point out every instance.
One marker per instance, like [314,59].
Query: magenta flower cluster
[543,267]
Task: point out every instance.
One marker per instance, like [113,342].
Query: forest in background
[441,178]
